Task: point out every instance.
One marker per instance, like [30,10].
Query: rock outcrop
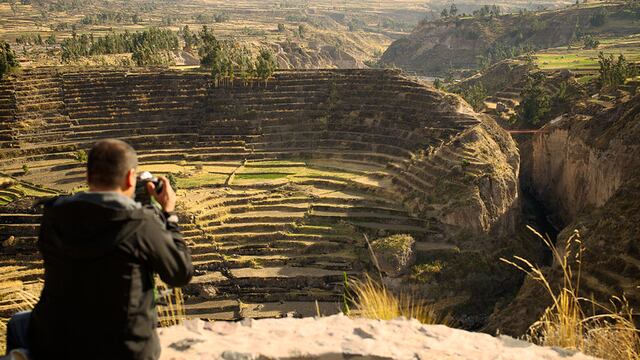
[580,162]
[340,337]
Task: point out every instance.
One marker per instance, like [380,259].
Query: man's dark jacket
[100,252]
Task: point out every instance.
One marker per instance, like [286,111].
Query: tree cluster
[211,18]
[8,58]
[111,18]
[488,11]
[536,101]
[500,51]
[615,72]
[143,43]
[451,12]
[228,60]
[29,39]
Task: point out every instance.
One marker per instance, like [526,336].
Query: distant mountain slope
[436,47]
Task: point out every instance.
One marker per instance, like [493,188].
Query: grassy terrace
[583,60]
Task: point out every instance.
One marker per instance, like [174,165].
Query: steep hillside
[436,47]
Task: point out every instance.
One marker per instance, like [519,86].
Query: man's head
[112,167]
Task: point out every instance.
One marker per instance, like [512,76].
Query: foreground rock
[338,337]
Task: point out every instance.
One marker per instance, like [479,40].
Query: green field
[579,59]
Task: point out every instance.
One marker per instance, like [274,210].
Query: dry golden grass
[574,322]
[13,298]
[373,300]
[170,306]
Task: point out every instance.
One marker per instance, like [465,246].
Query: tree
[8,58]
[614,73]
[147,55]
[190,39]
[444,14]
[598,19]
[453,11]
[302,30]
[475,96]
[536,101]
[266,64]
[590,42]
[281,27]
[210,48]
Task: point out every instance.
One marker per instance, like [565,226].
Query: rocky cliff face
[340,337]
[581,161]
[586,171]
[439,46]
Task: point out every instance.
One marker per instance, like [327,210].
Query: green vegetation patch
[275,163]
[262,176]
[425,273]
[397,243]
[580,58]
[200,180]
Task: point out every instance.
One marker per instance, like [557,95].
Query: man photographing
[101,250]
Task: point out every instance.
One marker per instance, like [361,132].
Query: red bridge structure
[534,131]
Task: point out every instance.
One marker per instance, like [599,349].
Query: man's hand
[167,198]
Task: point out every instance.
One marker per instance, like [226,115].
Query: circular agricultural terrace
[278,181]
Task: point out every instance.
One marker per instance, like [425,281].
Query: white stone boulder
[341,337]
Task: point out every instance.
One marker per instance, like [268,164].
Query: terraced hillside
[465,43]
[278,181]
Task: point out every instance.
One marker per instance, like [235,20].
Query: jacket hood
[88,225]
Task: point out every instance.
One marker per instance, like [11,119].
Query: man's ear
[131,179]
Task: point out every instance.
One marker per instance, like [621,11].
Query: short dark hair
[109,162]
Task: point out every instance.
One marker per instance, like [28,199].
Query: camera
[142,195]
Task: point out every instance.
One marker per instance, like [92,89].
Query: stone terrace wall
[448,164]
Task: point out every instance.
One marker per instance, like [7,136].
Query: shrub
[25,169]
[172,181]
[590,42]
[81,156]
[425,273]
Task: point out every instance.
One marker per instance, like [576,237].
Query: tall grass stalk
[170,308]
[578,323]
